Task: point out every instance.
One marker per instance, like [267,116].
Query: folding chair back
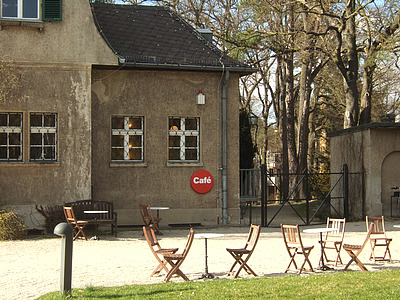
[148,218]
[176,260]
[378,238]
[156,249]
[333,240]
[242,255]
[294,246]
[76,225]
[355,250]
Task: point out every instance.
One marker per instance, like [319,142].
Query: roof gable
[154,35]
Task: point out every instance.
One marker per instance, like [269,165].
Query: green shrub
[11,227]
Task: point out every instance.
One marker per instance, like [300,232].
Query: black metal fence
[308,197]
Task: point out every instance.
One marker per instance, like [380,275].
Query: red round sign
[202,181]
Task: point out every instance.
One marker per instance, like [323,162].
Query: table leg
[206,274]
[323,266]
[95,237]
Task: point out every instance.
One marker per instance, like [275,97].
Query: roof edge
[374,125]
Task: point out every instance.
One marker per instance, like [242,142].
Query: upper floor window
[11,136]
[20,9]
[127,138]
[184,139]
[43,137]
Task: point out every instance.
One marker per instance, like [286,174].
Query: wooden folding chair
[350,249]
[333,240]
[378,238]
[156,249]
[294,246]
[176,260]
[76,225]
[148,218]
[242,255]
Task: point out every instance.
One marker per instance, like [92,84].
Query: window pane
[191,124]
[135,154]
[14,139]
[30,9]
[10,8]
[174,154]
[36,153]
[117,123]
[3,152]
[36,139]
[191,141]
[3,119]
[49,121]
[135,123]
[191,154]
[15,153]
[49,138]
[117,154]
[174,141]
[15,120]
[36,120]
[117,141]
[3,139]
[174,124]
[49,153]
[135,141]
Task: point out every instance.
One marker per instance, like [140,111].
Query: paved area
[31,267]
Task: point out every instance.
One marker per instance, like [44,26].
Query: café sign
[202,181]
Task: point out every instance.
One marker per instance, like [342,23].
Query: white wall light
[200,98]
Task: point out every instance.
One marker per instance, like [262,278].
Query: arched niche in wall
[390,177]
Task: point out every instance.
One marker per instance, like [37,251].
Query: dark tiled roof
[154,35]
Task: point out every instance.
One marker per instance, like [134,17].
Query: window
[10,136]
[184,139]
[29,9]
[127,138]
[20,9]
[43,137]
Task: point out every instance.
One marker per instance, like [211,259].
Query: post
[263,194]
[346,191]
[308,197]
[65,231]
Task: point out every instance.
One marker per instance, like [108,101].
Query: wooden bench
[109,218]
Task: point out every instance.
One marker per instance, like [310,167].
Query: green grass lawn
[341,285]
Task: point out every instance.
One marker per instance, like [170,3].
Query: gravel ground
[31,268]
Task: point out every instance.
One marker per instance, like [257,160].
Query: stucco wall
[157,96]
[364,151]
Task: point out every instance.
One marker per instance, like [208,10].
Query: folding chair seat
[333,240]
[355,250]
[77,225]
[156,249]
[294,246]
[378,238]
[175,260]
[242,255]
[148,218]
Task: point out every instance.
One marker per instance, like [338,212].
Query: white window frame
[20,11]
[127,133]
[12,129]
[182,132]
[44,130]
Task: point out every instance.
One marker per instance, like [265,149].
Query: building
[119,103]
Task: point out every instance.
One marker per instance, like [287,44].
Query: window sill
[22,23]
[129,164]
[185,164]
[29,164]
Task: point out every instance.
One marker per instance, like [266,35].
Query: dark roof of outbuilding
[155,36]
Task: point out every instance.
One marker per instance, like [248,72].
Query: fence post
[307,197]
[263,194]
[346,191]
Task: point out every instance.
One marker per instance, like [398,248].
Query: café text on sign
[202,181]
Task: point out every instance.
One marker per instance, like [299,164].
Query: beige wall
[371,157]
[157,96]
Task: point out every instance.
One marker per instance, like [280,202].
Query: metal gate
[293,198]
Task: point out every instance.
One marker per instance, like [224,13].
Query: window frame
[43,130]
[182,133]
[20,11]
[127,132]
[13,129]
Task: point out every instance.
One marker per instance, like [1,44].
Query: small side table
[320,231]
[95,212]
[206,236]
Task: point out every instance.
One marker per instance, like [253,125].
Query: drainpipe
[224,152]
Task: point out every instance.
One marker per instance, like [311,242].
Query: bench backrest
[81,205]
